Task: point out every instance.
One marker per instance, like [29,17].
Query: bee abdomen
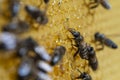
[110,43]
[84,53]
[93,63]
[105,4]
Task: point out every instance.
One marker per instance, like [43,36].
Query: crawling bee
[80,44]
[57,55]
[104,41]
[104,3]
[84,76]
[84,50]
[8,41]
[16,26]
[38,15]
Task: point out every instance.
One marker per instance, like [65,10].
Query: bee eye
[76,34]
[90,49]
[96,34]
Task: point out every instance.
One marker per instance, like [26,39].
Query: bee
[104,41]
[12,10]
[14,7]
[37,14]
[80,44]
[84,76]
[25,68]
[85,51]
[29,44]
[96,3]
[44,67]
[57,55]
[42,53]
[17,26]
[25,45]
[8,41]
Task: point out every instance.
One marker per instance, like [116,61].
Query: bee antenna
[79,70]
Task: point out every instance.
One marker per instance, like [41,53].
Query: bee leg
[76,53]
[92,7]
[101,48]
[70,39]
[74,45]
[94,4]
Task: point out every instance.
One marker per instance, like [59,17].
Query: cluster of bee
[33,66]
[35,60]
[87,52]
[84,49]
[36,66]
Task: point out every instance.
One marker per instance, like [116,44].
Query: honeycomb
[65,14]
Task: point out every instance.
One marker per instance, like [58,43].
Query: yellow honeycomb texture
[63,14]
